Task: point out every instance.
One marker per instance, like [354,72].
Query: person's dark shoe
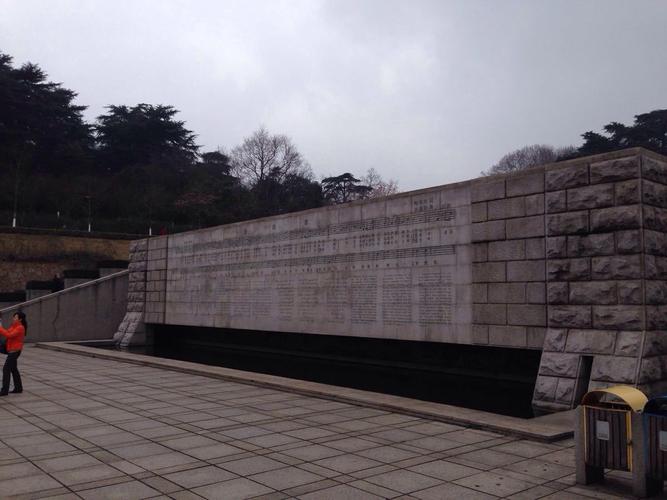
[3,393]
[17,391]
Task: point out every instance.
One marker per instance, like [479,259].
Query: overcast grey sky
[426,92]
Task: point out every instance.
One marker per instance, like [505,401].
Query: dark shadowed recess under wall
[492,379]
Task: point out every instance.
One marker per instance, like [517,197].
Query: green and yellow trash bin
[609,435]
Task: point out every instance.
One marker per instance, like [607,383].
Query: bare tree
[262,156]
[529,156]
[378,184]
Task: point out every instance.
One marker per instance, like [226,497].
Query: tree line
[649,131]
[139,168]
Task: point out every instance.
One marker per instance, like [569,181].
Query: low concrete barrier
[90,311]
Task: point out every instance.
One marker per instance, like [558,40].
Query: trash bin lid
[657,404]
[631,396]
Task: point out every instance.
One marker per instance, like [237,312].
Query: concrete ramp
[90,311]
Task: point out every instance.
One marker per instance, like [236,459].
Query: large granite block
[591,341]
[593,292]
[630,292]
[612,219]
[488,231]
[655,218]
[590,197]
[555,339]
[513,336]
[536,293]
[628,242]
[535,204]
[556,202]
[488,189]
[570,317]
[535,248]
[507,293]
[506,208]
[567,177]
[627,193]
[614,170]
[526,270]
[528,182]
[558,292]
[526,314]
[489,314]
[489,272]
[654,169]
[556,247]
[590,245]
[478,212]
[618,370]
[559,364]
[619,317]
[525,227]
[567,223]
[570,269]
[507,250]
[617,267]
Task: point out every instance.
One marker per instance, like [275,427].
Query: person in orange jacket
[15,335]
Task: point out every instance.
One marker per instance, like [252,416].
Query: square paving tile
[86,474]
[188,442]
[122,491]
[340,492]
[494,484]
[157,462]
[28,485]
[272,440]
[288,477]
[450,491]
[387,454]
[562,457]
[235,489]
[540,469]
[309,433]
[351,444]
[433,443]
[139,450]
[397,435]
[442,469]
[534,493]
[214,451]
[201,476]
[312,452]
[347,463]
[20,469]
[490,458]
[374,489]
[252,465]
[245,432]
[527,449]
[404,481]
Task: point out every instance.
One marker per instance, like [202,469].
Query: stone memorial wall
[394,268]
[568,258]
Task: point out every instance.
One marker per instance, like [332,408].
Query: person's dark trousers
[11,368]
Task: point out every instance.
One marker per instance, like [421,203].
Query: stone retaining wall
[508,272]
[568,258]
[90,311]
[25,257]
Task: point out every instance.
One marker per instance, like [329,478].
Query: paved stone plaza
[92,428]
